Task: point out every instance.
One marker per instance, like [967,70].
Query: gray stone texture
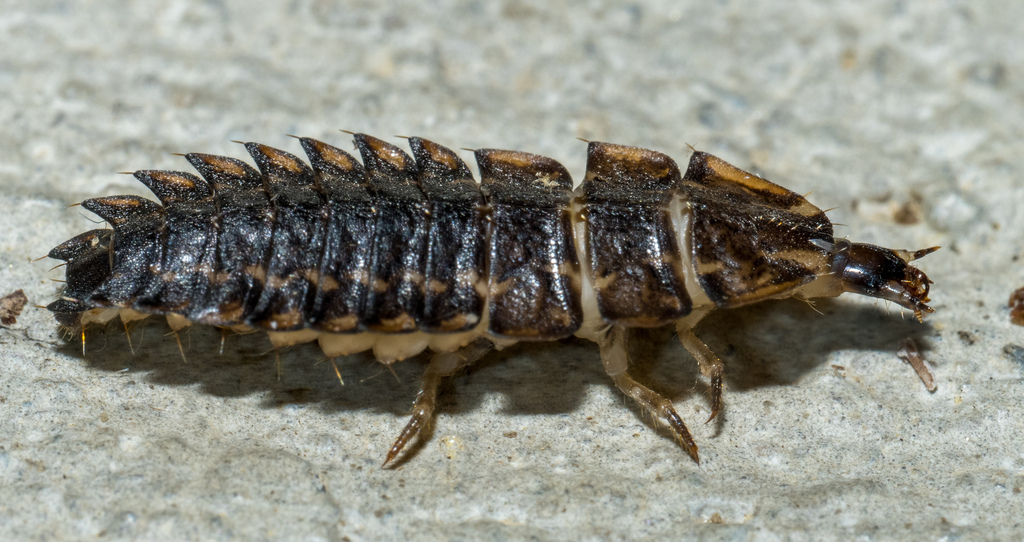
[906,117]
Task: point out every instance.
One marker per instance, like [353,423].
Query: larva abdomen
[392,245]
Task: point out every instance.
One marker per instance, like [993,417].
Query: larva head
[882,272]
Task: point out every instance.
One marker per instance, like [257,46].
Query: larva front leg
[710,365]
[616,362]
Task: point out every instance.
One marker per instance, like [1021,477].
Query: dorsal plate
[750,238]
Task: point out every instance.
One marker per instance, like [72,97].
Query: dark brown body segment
[534,274]
[88,264]
[190,242]
[635,261]
[457,246]
[296,244]
[398,269]
[750,237]
[245,220]
[136,250]
[344,273]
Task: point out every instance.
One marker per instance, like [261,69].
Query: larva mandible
[400,254]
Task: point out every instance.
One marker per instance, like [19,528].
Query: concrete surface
[905,116]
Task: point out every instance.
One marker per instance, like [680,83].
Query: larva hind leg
[441,365]
[710,365]
[616,362]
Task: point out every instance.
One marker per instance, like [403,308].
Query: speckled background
[907,117]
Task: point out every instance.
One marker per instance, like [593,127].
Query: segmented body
[399,254]
[347,252]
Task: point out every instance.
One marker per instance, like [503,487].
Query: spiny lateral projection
[398,254]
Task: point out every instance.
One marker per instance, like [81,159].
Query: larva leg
[441,365]
[616,361]
[710,365]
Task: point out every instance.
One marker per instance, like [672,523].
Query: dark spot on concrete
[1014,352]
[967,337]
[911,212]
